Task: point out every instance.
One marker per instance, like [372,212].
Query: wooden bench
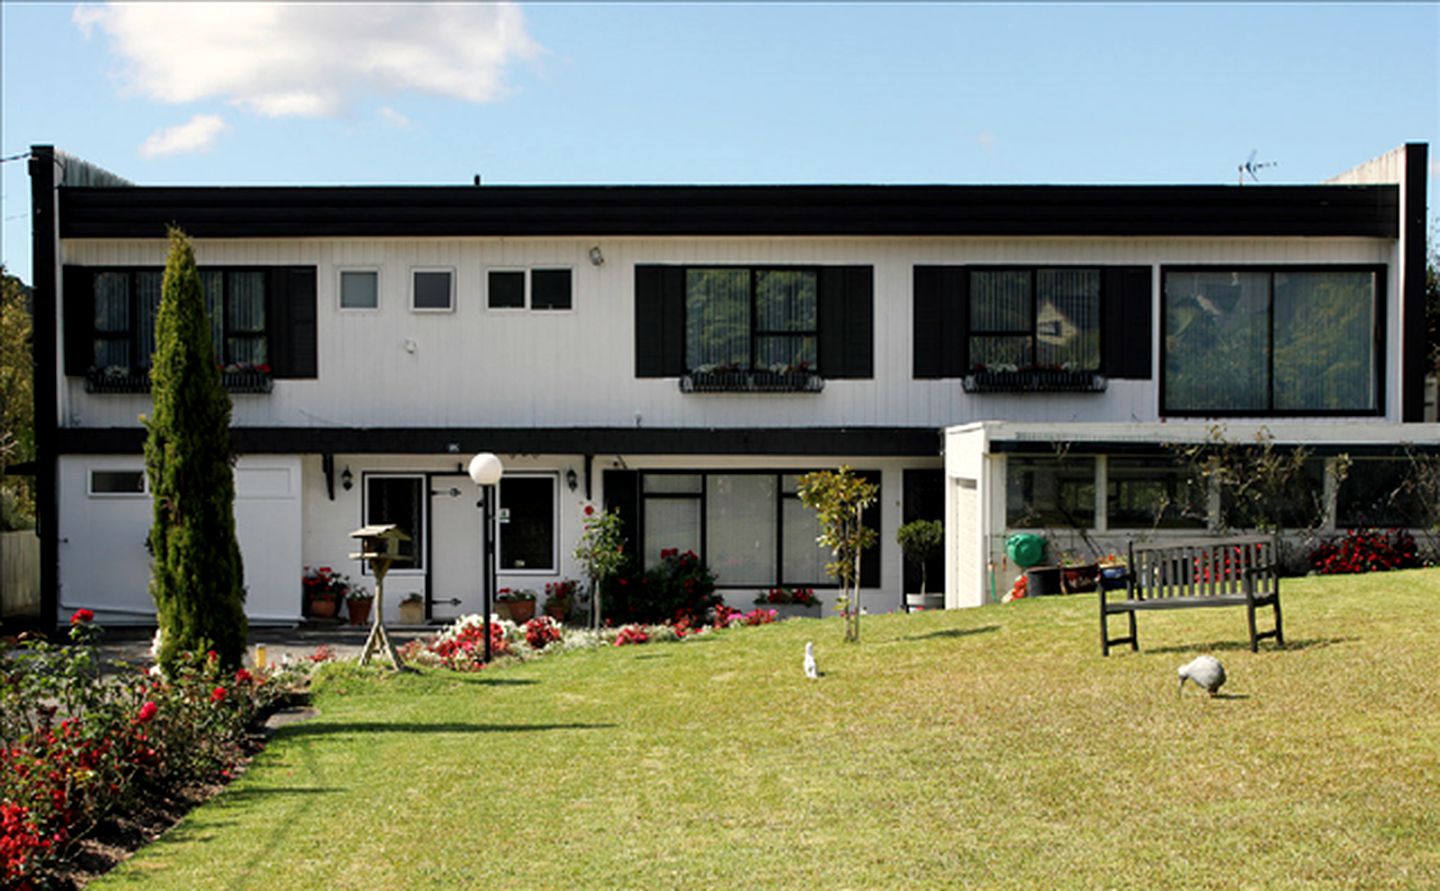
[1236,571]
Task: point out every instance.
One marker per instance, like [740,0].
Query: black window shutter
[659,321]
[847,321]
[622,494]
[870,557]
[1128,333]
[942,321]
[79,314]
[292,334]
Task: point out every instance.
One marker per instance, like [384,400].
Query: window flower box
[1033,380]
[234,378]
[739,381]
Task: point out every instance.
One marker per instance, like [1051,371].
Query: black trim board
[1412,289]
[411,211]
[44,253]
[873,442]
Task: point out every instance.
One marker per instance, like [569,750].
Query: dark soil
[119,835]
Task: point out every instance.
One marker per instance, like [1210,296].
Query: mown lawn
[990,747]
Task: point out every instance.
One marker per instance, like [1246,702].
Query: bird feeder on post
[380,547]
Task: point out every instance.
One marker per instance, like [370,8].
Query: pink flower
[82,616]
[147,711]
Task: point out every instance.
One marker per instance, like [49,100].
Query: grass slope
[990,747]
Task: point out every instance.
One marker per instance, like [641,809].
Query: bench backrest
[1204,567]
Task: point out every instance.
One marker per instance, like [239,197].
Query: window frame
[1378,340]
[420,566]
[1032,272]
[415,271]
[754,333]
[527,300]
[702,497]
[554,568]
[90,491]
[131,334]
[340,272]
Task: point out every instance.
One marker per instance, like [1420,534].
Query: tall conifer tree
[198,579]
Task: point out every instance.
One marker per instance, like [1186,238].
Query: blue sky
[713,93]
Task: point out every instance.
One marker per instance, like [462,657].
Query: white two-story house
[681,353]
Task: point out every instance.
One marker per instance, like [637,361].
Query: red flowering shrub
[82,616]
[679,586]
[116,741]
[541,632]
[1366,550]
[631,634]
[759,617]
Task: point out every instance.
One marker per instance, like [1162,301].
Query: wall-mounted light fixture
[597,256]
[571,479]
[347,479]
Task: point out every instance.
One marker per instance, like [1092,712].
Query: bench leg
[1106,640]
[1134,637]
[1250,616]
[1279,629]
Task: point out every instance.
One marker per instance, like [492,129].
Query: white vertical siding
[476,367]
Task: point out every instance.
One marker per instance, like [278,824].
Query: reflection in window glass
[1057,492]
[805,559]
[740,528]
[1383,492]
[1217,350]
[1145,493]
[397,500]
[1324,348]
[359,289]
[1301,501]
[117,482]
[527,537]
[671,523]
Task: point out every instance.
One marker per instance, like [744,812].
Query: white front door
[456,578]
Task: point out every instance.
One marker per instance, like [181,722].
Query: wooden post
[379,546]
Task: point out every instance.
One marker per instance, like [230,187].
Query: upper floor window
[126,303]
[750,319]
[1272,341]
[359,289]
[433,290]
[539,289]
[1035,318]
[1033,328]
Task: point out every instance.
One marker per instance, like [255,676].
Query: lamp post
[486,470]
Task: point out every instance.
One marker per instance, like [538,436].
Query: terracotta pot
[359,611]
[522,611]
[556,611]
[324,606]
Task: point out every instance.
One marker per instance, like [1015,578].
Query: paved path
[133,644]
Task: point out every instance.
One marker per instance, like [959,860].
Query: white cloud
[393,117]
[195,135]
[310,60]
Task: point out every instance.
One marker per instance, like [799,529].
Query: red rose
[217,694]
[82,616]
[147,711]
[589,510]
[243,676]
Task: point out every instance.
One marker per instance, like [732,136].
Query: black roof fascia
[803,441]
[403,211]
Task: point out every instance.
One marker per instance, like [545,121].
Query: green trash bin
[1025,549]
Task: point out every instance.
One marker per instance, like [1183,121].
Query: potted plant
[324,588]
[1114,572]
[921,541]
[515,604]
[1077,574]
[791,602]
[412,610]
[358,601]
[560,598]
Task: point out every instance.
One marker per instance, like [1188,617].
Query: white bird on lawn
[812,671]
[1205,671]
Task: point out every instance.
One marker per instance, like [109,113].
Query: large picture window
[1271,341]
[399,499]
[1035,318]
[750,528]
[750,319]
[1153,493]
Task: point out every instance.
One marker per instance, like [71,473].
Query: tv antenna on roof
[1250,167]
